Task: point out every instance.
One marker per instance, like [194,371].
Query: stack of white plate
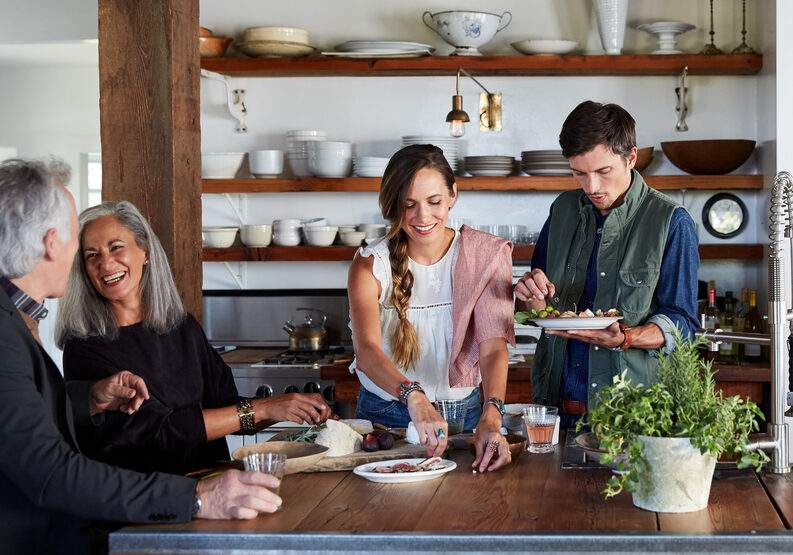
[369,166]
[489,165]
[297,149]
[289,42]
[380,49]
[544,162]
[451,147]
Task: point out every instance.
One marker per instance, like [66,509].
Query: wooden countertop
[532,504]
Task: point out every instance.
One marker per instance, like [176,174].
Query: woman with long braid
[431,311]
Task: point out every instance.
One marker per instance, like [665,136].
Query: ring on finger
[440,433]
[492,447]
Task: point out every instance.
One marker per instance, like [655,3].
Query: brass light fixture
[489,109]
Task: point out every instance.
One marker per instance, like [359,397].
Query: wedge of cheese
[339,438]
[360,425]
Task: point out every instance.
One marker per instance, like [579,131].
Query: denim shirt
[675,294]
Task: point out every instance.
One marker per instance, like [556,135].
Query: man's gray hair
[32,202]
[85,313]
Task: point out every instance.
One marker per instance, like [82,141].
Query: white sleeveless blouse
[430,312]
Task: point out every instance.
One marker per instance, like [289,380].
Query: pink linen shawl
[482,303]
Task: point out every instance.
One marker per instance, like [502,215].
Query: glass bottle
[710,321]
[728,351]
[752,352]
[740,320]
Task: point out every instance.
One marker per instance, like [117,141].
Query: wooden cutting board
[401,450]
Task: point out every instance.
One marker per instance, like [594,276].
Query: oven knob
[329,393]
[264,391]
[292,389]
[312,387]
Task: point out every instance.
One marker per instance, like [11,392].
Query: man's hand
[237,494]
[123,391]
[534,287]
[609,338]
[294,407]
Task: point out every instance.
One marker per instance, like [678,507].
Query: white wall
[31,21]
[375,112]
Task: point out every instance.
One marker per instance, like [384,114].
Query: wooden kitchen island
[532,505]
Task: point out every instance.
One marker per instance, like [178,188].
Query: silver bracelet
[406,388]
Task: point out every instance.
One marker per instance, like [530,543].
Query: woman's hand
[294,407]
[431,427]
[492,449]
[123,391]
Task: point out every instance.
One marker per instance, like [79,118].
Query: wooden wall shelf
[584,65]
[344,254]
[512,183]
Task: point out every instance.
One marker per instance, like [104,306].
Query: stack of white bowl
[286,233]
[544,162]
[275,41]
[297,149]
[373,231]
[451,147]
[329,158]
[370,166]
[489,165]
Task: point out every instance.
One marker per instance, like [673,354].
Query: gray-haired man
[47,486]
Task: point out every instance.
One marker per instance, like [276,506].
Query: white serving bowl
[266,163]
[221,165]
[545,46]
[352,238]
[258,235]
[320,235]
[329,164]
[466,30]
[289,34]
[219,237]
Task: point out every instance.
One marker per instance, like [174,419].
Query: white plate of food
[552,319]
[401,471]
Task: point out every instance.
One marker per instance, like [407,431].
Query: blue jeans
[394,414]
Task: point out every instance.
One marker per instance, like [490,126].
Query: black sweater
[183,374]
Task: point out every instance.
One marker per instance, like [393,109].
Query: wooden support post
[149,72]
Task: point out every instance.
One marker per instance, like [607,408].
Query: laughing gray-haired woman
[122,312]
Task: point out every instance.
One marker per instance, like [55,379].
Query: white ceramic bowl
[466,30]
[352,238]
[345,228]
[258,235]
[219,237]
[373,231]
[221,165]
[329,164]
[266,163]
[289,34]
[286,237]
[313,222]
[286,223]
[320,235]
[545,46]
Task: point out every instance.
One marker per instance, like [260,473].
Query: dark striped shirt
[24,302]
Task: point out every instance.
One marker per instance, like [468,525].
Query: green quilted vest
[628,265]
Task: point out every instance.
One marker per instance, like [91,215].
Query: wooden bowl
[517,445]
[204,32]
[714,157]
[213,47]
[300,456]
[643,158]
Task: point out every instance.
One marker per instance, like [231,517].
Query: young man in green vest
[613,243]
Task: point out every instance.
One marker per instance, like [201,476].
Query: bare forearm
[494,369]
[648,336]
[221,422]
[373,362]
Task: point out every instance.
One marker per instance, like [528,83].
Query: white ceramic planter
[678,478]
[611,15]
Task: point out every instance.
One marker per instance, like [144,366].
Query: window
[90,179]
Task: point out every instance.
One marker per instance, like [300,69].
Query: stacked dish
[489,165]
[329,158]
[450,147]
[370,166]
[380,49]
[297,149]
[290,42]
[544,162]
[545,46]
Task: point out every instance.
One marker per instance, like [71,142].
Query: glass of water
[268,463]
[453,411]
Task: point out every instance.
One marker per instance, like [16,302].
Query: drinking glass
[540,424]
[453,411]
[269,463]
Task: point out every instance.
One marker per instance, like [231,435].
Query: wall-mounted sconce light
[489,109]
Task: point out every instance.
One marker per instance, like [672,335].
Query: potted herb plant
[665,438]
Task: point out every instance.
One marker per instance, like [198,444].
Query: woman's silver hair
[31,203]
[84,312]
